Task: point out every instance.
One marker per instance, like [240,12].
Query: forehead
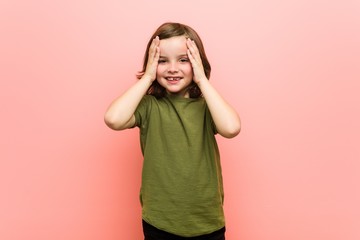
[173,45]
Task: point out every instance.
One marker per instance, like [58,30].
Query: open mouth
[173,78]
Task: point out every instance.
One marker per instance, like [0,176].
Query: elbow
[232,130]
[231,133]
[118,123]
[111,122]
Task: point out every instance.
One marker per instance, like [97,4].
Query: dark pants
[152,233]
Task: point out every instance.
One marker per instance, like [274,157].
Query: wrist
[200,81]
[147,78]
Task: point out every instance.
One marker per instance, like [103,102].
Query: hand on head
[192,52]
[153,58]
[195,59]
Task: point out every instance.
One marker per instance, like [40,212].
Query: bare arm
[226,119]
[120,114]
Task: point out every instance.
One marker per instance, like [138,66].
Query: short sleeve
[142,111]
[210,120]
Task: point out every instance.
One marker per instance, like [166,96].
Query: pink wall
[291,68]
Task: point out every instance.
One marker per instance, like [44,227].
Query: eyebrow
[181,55]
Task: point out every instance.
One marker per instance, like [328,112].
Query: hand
[195,59]
[153,59]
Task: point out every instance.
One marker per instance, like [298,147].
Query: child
[178,113]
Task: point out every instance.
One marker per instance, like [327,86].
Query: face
[174,71]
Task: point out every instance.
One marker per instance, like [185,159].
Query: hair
[168,30]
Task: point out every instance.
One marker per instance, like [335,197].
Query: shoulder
[148,100]
[148,103]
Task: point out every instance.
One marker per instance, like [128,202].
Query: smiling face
[174,71]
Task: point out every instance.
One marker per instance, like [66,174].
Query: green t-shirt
[182,189]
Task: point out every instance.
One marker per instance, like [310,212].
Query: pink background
[290,68]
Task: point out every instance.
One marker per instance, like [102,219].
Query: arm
[225,117]
[120,114]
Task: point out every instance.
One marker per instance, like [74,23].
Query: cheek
[188,69]
[160,69]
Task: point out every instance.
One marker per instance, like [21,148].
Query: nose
[173,68]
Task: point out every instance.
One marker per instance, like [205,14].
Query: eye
[162,61]
[184,59]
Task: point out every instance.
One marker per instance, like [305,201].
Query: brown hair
[168,30]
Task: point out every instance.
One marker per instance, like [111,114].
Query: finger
[189,44]
[193,49]
[157,48]
[157,55]
[157,41]
[152,49]
[192,59]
